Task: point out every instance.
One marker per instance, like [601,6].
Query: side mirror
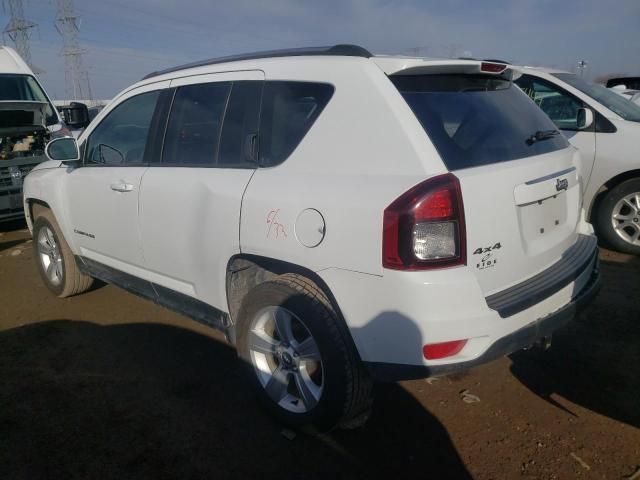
[585,118]
[76,115]
[64,149]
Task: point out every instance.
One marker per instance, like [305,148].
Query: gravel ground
[107,385]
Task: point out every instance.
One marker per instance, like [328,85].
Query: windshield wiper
[541,135]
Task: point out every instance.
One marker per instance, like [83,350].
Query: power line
[67,23]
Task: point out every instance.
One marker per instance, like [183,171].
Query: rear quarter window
[289,109]
[475,120]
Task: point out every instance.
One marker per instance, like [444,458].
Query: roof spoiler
[460,66]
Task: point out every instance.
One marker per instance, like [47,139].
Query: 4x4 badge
[480,250]
[487,260]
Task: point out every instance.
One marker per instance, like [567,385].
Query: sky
[126,39]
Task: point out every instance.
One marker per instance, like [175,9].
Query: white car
[342,217]
[606,129]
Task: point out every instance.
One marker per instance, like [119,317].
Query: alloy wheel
[626,218]
[50,256]
[286,359]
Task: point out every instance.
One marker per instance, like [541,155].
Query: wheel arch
[608,185]
[246,271]
[33,205]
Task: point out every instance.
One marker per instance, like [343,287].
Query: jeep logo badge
[562,184]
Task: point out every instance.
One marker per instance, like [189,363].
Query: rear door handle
[122,187]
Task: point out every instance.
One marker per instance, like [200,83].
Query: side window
[289,109]
[195,123]
[239,139]
[560,106]
[121,137]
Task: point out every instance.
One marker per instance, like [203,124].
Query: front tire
[618,217]
[55,260]
[299,358]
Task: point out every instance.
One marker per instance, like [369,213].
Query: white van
[28,120]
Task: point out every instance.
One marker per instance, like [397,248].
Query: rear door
[518,174]
[191,194]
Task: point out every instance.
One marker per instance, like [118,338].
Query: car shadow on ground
[13,225]
[6,245]
[78,400]
[595,361]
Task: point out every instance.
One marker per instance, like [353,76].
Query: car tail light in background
[489,67]
[434,351]
[424,228]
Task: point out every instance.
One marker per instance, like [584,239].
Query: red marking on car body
[272,221]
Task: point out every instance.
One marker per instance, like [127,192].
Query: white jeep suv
[342,217]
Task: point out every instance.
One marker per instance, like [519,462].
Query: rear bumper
[517,340]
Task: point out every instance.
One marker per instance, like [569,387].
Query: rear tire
[299,357]
[618,217]
[55,260]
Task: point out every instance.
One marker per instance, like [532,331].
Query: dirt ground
[107,385]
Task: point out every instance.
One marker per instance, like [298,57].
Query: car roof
[10,62]
[388,63]
[622,80]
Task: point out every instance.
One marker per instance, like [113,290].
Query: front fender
[45,185]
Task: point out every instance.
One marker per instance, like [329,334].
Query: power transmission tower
[18,29]
[77,84]
[582,65]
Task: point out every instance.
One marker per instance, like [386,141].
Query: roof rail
[336,50]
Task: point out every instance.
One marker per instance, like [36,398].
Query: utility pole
[77,84]
[582,65]
[18,30]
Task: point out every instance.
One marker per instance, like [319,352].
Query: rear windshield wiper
[541,135]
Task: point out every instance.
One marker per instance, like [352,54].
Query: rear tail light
[434,351]
[424,228]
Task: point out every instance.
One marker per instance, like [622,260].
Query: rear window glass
[476,120]
[289,109]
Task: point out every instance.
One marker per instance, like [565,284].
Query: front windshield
[614,102]
[25,88]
